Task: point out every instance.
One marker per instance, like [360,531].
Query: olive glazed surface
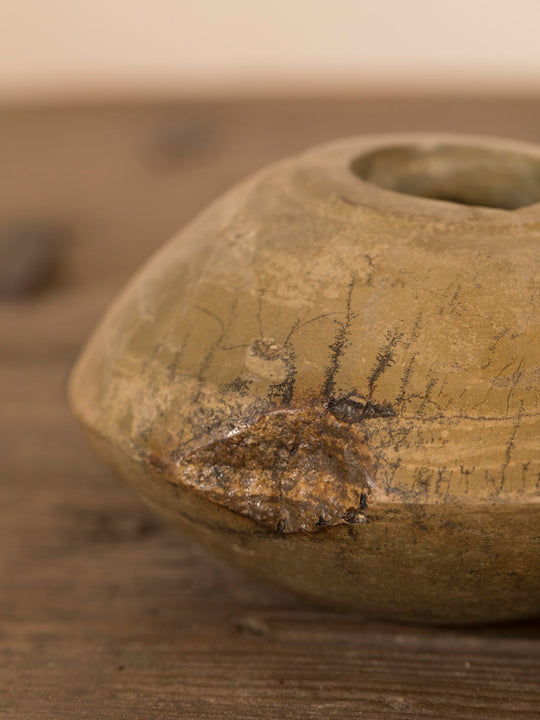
[331,377]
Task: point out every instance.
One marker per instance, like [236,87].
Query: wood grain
[104,611]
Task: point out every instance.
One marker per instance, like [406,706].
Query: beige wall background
[67,48]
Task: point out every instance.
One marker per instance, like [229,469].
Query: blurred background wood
[104,611]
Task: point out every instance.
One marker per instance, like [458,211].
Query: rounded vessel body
[331,377]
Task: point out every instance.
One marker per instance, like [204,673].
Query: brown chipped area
[266,348]
[289,471]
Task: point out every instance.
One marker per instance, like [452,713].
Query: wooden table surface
[104,611]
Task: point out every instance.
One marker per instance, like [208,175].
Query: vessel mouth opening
[467,175]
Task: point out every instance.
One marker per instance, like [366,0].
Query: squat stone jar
[331,377]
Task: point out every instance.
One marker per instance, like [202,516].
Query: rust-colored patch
[292,470]
[156,461]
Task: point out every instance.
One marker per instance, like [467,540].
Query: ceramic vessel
[331,377]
